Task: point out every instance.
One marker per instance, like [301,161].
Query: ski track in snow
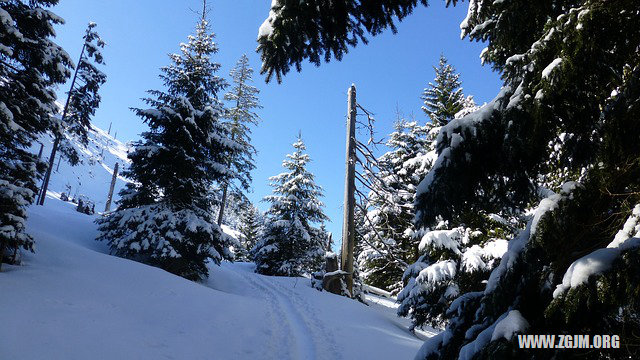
[280,334]
[311,340]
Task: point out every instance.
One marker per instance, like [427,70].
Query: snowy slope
[92,176]
[72,301]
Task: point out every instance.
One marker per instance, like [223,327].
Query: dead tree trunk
[47,176]
[222,203]
[107,206]
[348,225]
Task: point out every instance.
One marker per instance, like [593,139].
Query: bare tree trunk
[47,175]
[107,206]
[224,201]
[348,225]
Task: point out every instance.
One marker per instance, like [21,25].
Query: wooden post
[348,225]
[107,206]
[109,131]
[58,167]
[40,152]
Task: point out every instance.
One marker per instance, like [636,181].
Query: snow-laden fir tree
[164,216]
[83,98]
[31,65]
[443,98]
[571,96]
[291,244]
[250,229]
[243,99]
[387,244]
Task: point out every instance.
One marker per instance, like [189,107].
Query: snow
[448,239]
[266,29]
[447,143]
[92,177]
[512,323]
[469,350]
[518,244]
[601,260]
[547,71]
[438,272]
[70,300]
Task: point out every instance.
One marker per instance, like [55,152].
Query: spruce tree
[31,66]
[569,109]
[164,216]
[244,101]
[291,245]
[250,228]
[443,99]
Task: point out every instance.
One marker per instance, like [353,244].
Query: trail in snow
[72,301]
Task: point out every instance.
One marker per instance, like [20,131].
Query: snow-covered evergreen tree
[387,244]
[443,99]
[83,98]
[164,216]
[243,98]
[571,93]
[291,245]
[31,65]
[250,228]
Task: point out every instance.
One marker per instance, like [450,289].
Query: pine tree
[291,245]
[444,99]
[164,216]
[31,66]
[387,243]
[244,100]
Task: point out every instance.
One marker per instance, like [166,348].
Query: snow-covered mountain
[91,178]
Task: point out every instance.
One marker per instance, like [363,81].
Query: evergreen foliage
[387,243]
[83,98]
[443,99]
[298,30]
[164,216]
[250,228]
[244,102]
[31,65]
[290,244]
[571,95]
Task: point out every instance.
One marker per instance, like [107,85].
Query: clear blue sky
[389,73]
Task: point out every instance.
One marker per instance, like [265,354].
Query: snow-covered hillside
[70,300]
[92,177]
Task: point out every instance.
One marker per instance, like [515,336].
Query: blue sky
[389,73]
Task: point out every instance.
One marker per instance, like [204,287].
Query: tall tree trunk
[348,225]
[224,201]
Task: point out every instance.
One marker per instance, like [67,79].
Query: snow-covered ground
[70,300]
[92,177]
